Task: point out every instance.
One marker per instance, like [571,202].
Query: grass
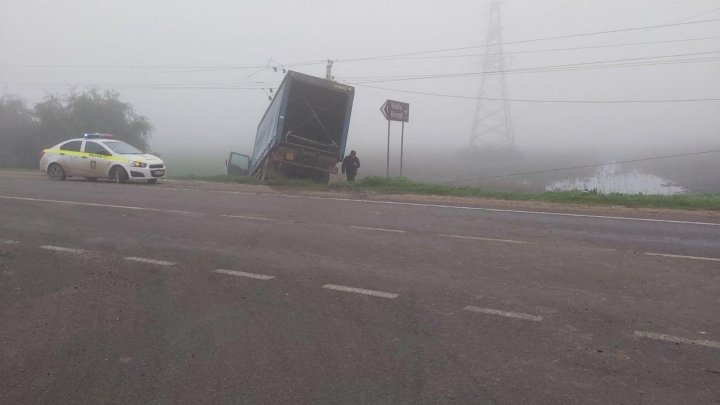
[400,185]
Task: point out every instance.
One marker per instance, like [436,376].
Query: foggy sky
[131,45]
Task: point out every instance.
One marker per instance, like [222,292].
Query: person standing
[350,166]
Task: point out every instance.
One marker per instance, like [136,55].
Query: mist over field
[202,73]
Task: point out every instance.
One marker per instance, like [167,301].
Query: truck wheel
[118,175]
[56,172]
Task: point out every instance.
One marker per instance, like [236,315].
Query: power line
[592,64]
[540,69]
[585,166]
[532,40]
[139,87]
[548,50]
[179,67]
[675,21]
[521,100]
[322,62]
[199,69]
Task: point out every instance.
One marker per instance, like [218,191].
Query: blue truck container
[303,133]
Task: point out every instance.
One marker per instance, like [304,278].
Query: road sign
[396,111]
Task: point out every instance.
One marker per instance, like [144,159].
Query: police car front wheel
[118,175]
[56,172]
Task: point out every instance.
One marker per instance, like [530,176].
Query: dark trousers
[351,175]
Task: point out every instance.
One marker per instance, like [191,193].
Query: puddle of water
[608,179]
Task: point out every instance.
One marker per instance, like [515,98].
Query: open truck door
[237,164]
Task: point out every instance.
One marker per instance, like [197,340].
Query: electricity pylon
[492,126]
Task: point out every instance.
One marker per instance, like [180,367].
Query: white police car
[99,156]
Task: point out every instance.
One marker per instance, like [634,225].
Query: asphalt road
[176,295]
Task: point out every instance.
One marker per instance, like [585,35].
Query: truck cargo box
[304,131]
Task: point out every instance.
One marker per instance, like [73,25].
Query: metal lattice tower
[492,126]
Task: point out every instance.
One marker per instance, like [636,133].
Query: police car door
[70,158]
[98,159]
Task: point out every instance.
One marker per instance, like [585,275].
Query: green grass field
[400,185]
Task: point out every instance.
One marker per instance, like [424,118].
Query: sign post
[402,140]
[387,164]
[395,111]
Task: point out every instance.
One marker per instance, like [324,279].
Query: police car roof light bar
[97,135]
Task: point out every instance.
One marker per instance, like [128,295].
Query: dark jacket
[350,164]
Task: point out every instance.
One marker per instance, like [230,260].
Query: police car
[99,156]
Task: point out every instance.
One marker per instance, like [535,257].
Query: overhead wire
[574,48]
[591,64]
[531,40]
[584,166]
[673,21]
[522,100]
[318,62]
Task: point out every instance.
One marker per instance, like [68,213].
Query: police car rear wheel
[119,175]
[56,172]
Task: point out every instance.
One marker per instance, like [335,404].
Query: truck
[302,134]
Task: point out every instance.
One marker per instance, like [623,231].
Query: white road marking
[479,238]
[367,228]
[244,274]
[516,315]
[8,242]
[63,249]
[676,339]
[360,291]
[126,207]
[460,207]
[455,207]
[713,259]
[150,261]
[248,217]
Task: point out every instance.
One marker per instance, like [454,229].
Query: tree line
[25,130]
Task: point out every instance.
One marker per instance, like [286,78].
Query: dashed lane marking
[249,217]
[712,259]
[515,315]
[8,242]
[676,339]
[360,291]
[63,249]
[244,274]
[367,228]
[150,261]
[482,239]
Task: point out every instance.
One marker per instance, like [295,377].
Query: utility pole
[492,126]
[328,70]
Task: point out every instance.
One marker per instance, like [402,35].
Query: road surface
[170,294]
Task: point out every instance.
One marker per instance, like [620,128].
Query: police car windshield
[122,148]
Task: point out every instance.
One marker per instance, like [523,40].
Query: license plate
[158,172]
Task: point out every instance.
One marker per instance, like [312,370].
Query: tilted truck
[303,132]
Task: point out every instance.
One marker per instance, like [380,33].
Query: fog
[192,69]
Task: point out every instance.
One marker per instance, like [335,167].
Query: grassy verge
[405,186]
